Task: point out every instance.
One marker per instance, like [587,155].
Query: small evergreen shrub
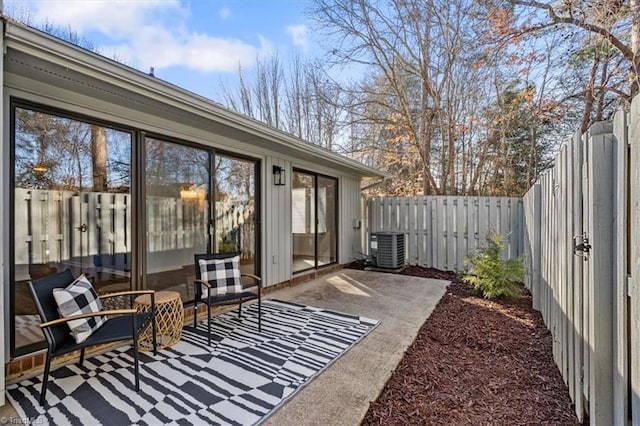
[490,276]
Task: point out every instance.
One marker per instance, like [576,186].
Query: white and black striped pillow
[222,274]
[77,298]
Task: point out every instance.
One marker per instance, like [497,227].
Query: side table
[169,319]
[118,302]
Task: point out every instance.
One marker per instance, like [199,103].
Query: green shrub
[227,245]
[491,276]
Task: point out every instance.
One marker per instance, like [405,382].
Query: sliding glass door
[71,208]
[313,220]
[177,194]
[126,209]
[180,181]
[326,224]
[235,209]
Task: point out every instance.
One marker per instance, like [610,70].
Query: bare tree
[299,98]
[445,103]
[422,57]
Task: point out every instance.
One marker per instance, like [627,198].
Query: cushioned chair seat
[232,298]
[119,329]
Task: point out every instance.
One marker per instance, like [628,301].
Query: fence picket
[461,232]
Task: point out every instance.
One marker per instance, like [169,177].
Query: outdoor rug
[242,378]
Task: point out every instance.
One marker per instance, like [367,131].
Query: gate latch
[582,249]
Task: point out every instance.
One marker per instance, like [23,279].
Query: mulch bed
[475,362]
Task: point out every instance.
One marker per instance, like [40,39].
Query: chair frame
[225,299]
[56,330]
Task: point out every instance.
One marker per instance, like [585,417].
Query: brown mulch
[475,362]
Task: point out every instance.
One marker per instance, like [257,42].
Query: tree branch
[570,20]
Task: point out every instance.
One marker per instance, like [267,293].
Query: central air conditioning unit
[387,249]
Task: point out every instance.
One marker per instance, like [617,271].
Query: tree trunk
[99,158]
[588,98]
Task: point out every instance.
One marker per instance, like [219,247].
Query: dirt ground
[475,362]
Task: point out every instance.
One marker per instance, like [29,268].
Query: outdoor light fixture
[278,175]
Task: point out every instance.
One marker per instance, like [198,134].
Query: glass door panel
[326,232]
[313,220]
[235,209]
[303,226]
[177,179]
[71,205]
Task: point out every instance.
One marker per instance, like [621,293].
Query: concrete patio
[341,394]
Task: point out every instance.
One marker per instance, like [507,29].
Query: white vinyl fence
[441,231]
[581,273]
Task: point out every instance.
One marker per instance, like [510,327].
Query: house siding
[350,247]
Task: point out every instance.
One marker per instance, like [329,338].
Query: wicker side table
[118,302]
[169,319]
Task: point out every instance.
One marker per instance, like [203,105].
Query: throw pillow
[222,274]
[77,298]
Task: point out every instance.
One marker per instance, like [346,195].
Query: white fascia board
[49,48]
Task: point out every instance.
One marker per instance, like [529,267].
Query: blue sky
[194,44]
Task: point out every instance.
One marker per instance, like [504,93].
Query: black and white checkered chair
[219,282]
[73,319]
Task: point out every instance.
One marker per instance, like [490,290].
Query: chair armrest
[205,283]
[88,315]
[256,278]
[126,293]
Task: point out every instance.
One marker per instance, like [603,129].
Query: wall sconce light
[278,175]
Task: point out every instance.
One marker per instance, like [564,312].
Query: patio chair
[93,326]
[219,282]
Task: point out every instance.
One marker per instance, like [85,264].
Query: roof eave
[29,40]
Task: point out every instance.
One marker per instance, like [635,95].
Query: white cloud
[225,13]
[117,19]
[298,35]
[149,33]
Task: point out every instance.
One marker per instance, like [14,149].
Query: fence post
[537,241]
[532,235]
[601,273]
[634,282]
[621,344]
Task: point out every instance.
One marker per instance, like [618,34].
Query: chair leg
[209,322]
[195,315]
[240,309]
[136,368]
[45,378]
[81,357]
[259,315]
[155,335]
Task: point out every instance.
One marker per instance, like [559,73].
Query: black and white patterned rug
[242,378]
